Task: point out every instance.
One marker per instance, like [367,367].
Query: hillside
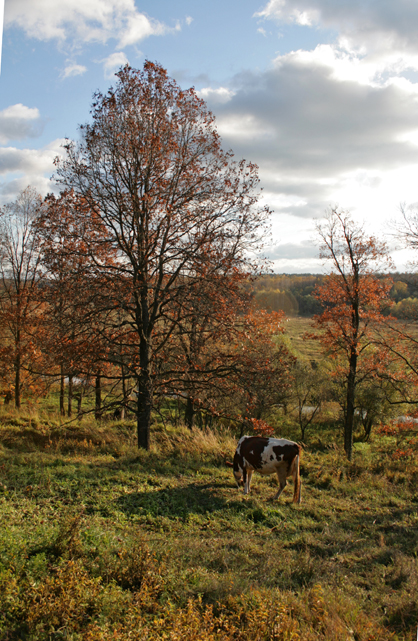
[101,541]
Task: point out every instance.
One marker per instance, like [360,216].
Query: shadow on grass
[177,502]
[379,535]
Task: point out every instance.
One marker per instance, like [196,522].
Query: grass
[101,541]
[295,329]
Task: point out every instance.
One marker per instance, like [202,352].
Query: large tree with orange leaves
[175,207]
[353,296]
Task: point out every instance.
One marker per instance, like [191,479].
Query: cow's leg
[281,476]
[250,476]
[297,491]
[245,480]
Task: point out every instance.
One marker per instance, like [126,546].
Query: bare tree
[407,228]
[19,274]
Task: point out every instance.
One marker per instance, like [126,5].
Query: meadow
[100,541]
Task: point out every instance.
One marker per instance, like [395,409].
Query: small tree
[176,209]
[400,338]
[260,376]
[310,389]
[20,274]
[72,324]
[353,296]
[197,358]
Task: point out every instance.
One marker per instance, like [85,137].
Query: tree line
[294,294]
[139,278]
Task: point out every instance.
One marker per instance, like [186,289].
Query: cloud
[377,27]
[245,127]
[73,69]
[18,122]
[139,26]
[215,96]
[293,251]
[22,167]
[113,62]
[312,132]
[83,21]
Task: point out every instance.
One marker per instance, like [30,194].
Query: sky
[321,94]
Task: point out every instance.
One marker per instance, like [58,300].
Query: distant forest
[294,294]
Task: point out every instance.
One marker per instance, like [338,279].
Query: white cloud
[349,66]
[22,167]
[380,29]
[83,20]
[20,111]
[113,62]
[139,26]
[189,20]
[215,96]
[244,127]
[73,69]
[321,136]
[18,122]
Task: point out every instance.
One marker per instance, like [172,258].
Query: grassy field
[296,329]
[100,541]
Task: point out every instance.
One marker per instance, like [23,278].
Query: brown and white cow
[268,456]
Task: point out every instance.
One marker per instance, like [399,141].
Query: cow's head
[238,477]
[237,470]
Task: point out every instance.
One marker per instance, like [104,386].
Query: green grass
[295,329]
[101,541]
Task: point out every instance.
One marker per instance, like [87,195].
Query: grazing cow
[268,456]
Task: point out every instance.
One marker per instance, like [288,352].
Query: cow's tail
[297,483]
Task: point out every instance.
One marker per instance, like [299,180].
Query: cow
[268,456]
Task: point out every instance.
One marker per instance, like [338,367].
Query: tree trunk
[18,362]
[349,419]
[70,396]
[145,396]
[98,407]
[62,390]
[144,381]
[144,413]
[17,381]
[189,412]
[124,394]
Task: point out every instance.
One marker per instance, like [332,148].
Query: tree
[259,370]
[407,229]
[20,275]
[71,327]
[310,389]
[197,359]
[353,296]
[176,209]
